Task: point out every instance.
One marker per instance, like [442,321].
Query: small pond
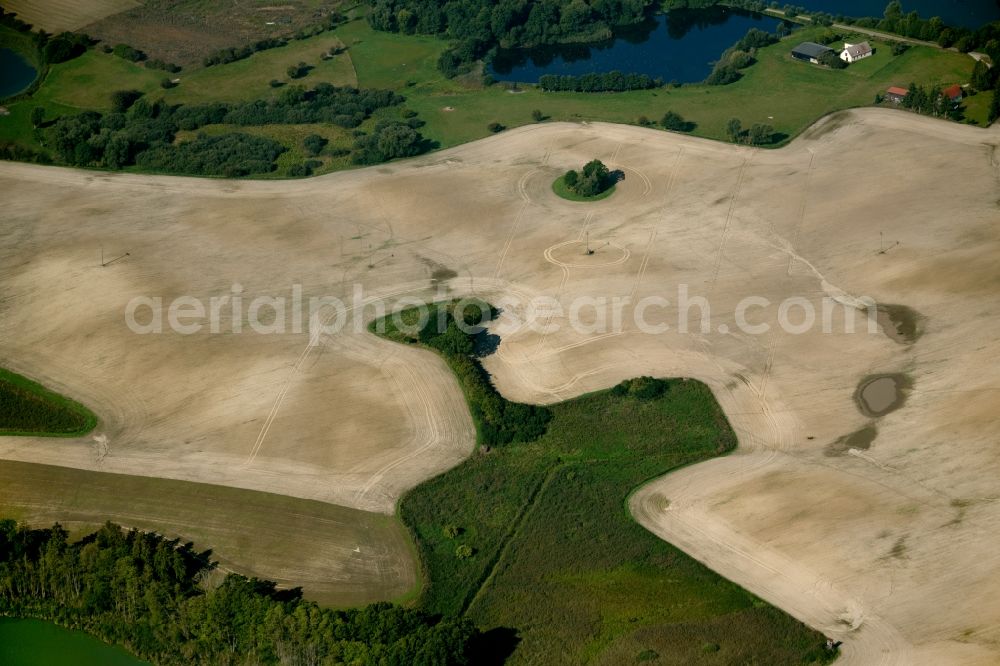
[16,73]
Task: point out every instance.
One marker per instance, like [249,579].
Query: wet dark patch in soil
[861,439]
[900,323]
[439,272]
[878,395]
[832,123]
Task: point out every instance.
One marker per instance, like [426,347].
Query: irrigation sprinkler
[118,258]
[882,247]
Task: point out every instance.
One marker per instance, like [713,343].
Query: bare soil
[356,421]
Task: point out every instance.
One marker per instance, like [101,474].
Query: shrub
[673,121]
[594,82]
[761,134]
[166,83]
[65,46]
[832,60]
[537,116]
[464,551]
[128,53]
[314,144]
[122,100]
[156,63]
[495,127]
[641,388]
[389,140]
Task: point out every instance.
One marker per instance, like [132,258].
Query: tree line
[930,102]
[153,596]
[452,332]
[478,26]
[739,56]
[234,53]
[613,81]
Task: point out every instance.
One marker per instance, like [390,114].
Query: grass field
[558,557]
[536,537]
[288,540]
[249,78]
[28,408]
[787,94]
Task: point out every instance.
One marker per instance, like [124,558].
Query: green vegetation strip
[534,539]
[28,408]
[776,91]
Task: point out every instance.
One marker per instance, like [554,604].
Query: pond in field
[678,46]
[965,13]
[26,642]
[16,73]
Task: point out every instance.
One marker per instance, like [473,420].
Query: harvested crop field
[340,556]
[60,15]
[185,31]
[867,546]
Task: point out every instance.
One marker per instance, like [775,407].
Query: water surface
[678,46]
[965,13]
[16,73]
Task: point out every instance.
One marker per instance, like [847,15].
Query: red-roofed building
[953,93]
[896,95]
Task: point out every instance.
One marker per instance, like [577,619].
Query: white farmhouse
[855,52]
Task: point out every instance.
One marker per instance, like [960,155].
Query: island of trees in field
[591,182]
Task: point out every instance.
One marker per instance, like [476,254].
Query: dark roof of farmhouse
[861,49]
[811,49]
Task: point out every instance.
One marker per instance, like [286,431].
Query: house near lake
[855,52]
[810,52]
[896,95]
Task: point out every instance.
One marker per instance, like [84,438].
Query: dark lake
[679,46]
[16,73]
[965,13]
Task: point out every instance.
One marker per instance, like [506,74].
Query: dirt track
[869,546]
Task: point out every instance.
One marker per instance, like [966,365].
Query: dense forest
[151,595]
[478,26]
[143,133]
